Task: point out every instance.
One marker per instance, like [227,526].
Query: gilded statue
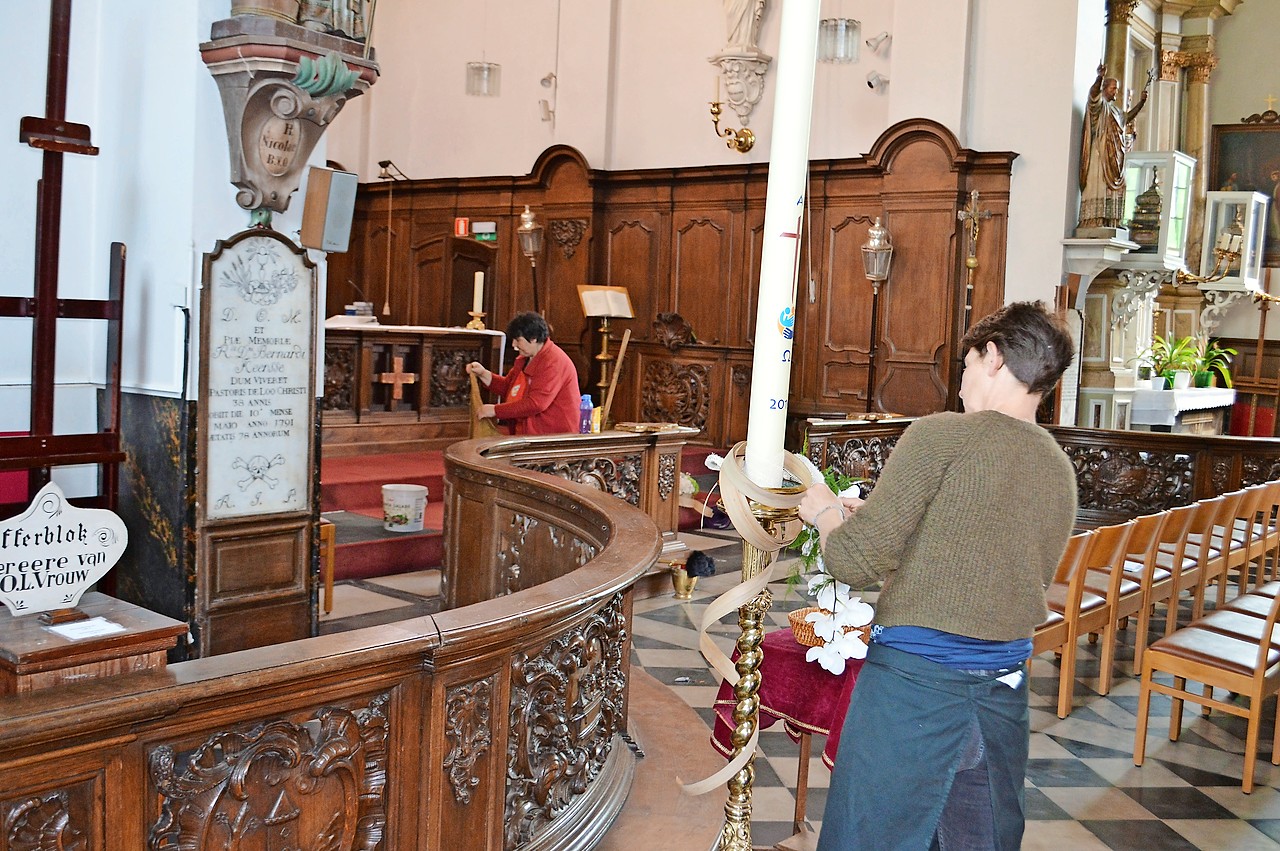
[1108,137]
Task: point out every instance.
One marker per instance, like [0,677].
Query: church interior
[251,246]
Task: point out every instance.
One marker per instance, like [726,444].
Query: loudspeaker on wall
[327,211]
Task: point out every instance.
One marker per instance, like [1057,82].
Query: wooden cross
[397,378]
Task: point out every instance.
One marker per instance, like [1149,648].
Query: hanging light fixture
[484,78]
[838,40]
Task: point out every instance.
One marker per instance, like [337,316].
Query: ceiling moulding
[1200,8]
[281,84]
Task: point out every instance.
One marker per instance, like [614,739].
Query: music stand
[605,303]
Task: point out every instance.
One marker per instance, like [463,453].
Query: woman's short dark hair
[530,325]
[1035,344]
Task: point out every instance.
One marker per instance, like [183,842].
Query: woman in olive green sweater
[965,527]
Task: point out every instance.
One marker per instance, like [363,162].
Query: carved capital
[1120,11]
[743,80]
[1171,64]
[1201,67]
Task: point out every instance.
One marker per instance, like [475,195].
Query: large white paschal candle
[780,262]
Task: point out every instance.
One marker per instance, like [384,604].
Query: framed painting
[1246,157]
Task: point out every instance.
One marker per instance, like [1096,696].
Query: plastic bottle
[584,414]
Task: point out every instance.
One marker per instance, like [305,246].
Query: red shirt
[541,393]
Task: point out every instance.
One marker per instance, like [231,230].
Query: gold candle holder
[477,321]
[735,833]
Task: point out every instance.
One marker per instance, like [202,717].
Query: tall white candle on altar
[780,263]
[477,294]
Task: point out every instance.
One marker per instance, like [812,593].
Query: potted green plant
[1213,362]
[1168,356]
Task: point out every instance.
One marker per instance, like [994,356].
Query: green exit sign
[486,237]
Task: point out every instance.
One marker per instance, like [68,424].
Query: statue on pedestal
[1108,137]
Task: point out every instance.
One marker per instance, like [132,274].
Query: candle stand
[735,834]
[477,321]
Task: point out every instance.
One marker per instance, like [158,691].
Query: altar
[1194,410]
[399,388]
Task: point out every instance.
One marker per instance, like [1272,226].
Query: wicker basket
[803,630]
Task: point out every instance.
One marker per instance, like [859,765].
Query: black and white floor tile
[1083,790]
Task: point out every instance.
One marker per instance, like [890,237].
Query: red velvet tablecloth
[803,695]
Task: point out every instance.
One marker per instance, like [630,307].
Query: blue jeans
[968,820]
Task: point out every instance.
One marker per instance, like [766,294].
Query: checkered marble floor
[1083,790]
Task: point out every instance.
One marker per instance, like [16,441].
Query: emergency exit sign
[485,231]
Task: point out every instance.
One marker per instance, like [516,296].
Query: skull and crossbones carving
[257,467]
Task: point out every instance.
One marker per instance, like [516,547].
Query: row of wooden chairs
[1117,572]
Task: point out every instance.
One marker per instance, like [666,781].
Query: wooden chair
[1237,537]
[1053,633]
[328,534]
[1197,561]
[1105,558]
[1084,611]
[1246,668]
[1138,572]
[1268,530]
[1158,582]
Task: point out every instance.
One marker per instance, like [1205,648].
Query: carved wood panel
[702,265]
[618,476]
[450,386]
[316,782]
[567,704]
[527,544]
[59,819]
[633,259]
[468,734]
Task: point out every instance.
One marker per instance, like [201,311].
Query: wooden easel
[613,381]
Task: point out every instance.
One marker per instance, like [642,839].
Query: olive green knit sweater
[966,525]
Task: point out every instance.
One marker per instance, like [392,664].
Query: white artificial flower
[827,656]
[824,625]
[851,492]
[828,592]
[854,613]
[714,462]
[850,645]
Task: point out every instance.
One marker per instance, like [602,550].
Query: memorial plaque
[258,377]
[53,552]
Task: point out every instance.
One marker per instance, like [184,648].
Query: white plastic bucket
[403,507]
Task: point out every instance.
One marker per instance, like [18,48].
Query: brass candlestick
[477,321]
[735,834]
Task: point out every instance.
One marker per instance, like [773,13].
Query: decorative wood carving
[450,387]
[1131,481]
[618,476]
[1255,469]
[43,823]
[339,378]
[740,377]
[671,330]
[320,784]
[666,476]
[860,458]
[522,538]
[468,733]
[567,233]
[676,393]
[1221,474]
[566,707]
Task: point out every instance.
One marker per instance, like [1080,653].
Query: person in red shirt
[540,392]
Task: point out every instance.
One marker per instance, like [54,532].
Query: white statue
[743,18]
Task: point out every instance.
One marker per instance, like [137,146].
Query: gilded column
[1199,59]
[1117,50]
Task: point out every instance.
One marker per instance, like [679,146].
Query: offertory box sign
[54,551]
